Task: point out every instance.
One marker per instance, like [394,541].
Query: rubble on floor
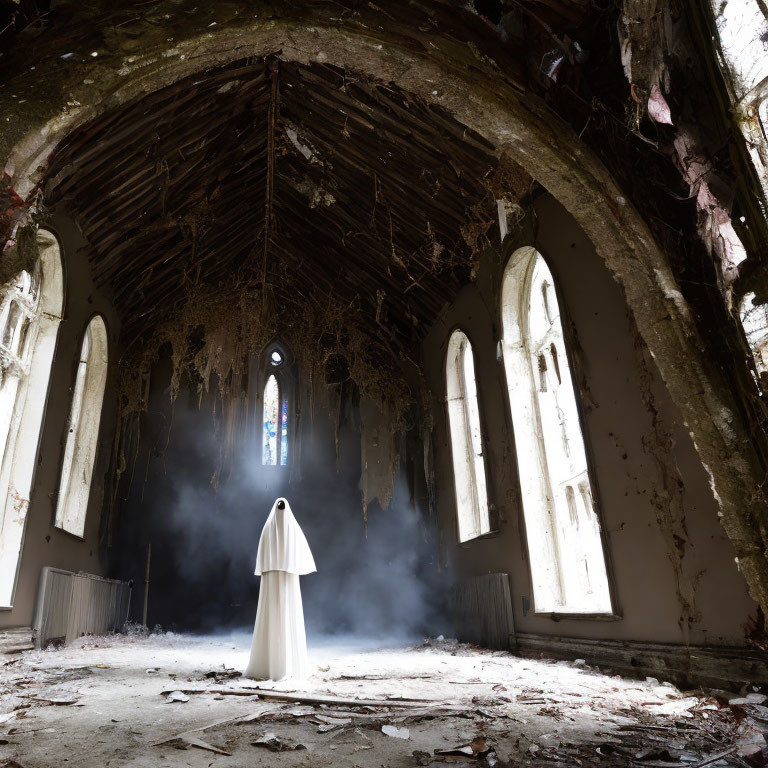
[169,699]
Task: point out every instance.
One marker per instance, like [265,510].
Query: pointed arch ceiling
[362,192]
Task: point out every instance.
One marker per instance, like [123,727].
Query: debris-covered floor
[167,699]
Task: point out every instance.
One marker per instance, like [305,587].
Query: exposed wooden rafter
[352,188]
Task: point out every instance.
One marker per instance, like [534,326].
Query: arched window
[30,313]
[754,320]
[466,439]
[563,531]
[275,408]
[83,429]
[18,312]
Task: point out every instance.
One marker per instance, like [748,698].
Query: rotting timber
[305,203]
[372,194]
[480,81]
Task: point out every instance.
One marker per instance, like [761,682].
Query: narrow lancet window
[275,364]
[271,421]
[466,439]
[284,432]
[83,429]
[563,530]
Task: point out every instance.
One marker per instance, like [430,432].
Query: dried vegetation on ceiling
[271,198]
[265,200]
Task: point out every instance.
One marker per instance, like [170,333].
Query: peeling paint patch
[667,494]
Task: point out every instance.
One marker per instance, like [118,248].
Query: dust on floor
[178,700]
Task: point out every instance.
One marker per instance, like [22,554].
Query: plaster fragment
[658,108]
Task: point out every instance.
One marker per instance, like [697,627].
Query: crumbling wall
[667,494]
[215,334]
[464,69]
[670,562]
[44,544]
[204,538]
[379,453]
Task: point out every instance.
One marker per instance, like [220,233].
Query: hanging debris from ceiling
[268,199]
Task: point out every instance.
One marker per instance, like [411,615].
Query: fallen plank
[186,740]
[14,641]
[387,677]
[11,650]
[715,758]
[358,718]
[307,698]
[52,702]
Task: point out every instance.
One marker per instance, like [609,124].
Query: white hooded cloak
[279,647]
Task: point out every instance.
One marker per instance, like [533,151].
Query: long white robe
[279,646]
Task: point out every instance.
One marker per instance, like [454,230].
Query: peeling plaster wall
[670,562]
[485,92]
[377,573]
[44,544]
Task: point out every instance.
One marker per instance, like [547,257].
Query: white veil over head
[283,546]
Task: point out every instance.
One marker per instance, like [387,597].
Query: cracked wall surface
[482,87]
[671,565]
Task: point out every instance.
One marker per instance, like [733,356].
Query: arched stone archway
[481,87]
[18,463]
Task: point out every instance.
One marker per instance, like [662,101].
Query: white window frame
[21,295]
[466,438]
[553,538]
[268,368]
[82,438]
[19,458]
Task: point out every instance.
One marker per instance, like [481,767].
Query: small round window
[276,357]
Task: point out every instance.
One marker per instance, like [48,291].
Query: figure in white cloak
[279,647]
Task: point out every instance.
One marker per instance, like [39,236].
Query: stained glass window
[284,433]
[271,410]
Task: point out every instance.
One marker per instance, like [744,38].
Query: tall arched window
[754,320]
[30,313]
[563,530]
[466,439]
[83,429]
[275,408]
[18,312]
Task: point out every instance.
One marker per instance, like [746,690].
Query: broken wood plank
[186,740]
[715,758]
[14,641]
[53,702]
[387,677]
[307,698]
